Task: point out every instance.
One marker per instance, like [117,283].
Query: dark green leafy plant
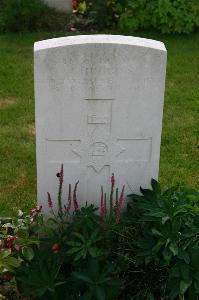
[169,225]
[166,16]
[8,263]
[71,245]
[149,251]
[101,285]
[86,218]
[40,278]
[94,10]
[84,246]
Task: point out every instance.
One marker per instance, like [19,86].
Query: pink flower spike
[119,206]
[116,201]
[102,203]
[112,181]
[61,174]
[105,209]
[69,199]
[121,199]
[50,203]
[75,203]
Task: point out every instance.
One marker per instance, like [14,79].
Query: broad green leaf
[150,297]
[100,293]
[148,194]
[60,283]
[95,236]
[81,254]
[167,255]
[156,232]
[184,286]
[174,248]
[175,272]
[80,236]
[158,214]
[51,289]
[165,219]
[185,256]
[174,292]
[4,253]
[73,250]
[52,221]
[10,264]
[155,186]
[74,244]
[83,277]
[196,286]
[167,242]
[93,251]
[195,256]
[185,272]
[13,262]
[147,260]
[157,247]
[40,291]
[28,253]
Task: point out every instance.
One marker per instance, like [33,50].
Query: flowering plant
[64,210]
[100,253]
[74,4]
[71,242]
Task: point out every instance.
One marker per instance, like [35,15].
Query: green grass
[179,151]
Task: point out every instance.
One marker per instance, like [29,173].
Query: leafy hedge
[26,15]
[148,251]
[166,16]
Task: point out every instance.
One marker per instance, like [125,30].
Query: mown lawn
[180,148]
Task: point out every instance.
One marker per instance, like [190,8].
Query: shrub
[26,15]
[110,10]
[148,251]
[169,231]
[167,16]
[103,13]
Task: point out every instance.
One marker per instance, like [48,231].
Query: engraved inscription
[94,119]
[98,149]
[99,111]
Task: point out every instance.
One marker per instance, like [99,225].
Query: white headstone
[99,106]
[60,5]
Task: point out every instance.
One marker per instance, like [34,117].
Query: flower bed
[150,250]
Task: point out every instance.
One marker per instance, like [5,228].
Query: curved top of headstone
[98,39]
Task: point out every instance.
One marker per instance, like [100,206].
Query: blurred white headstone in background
[60,5]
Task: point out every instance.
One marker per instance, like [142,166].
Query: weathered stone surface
[99,106]
[60,5]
